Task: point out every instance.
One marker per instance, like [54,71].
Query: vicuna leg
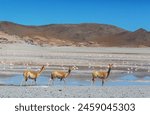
[24,81]
[102,82]
[64,81]
[93,80]
[52,79]
[49,82]
[35,81]
[53,83]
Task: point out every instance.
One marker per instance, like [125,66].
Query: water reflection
[124,80]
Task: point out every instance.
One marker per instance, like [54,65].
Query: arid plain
[130,72]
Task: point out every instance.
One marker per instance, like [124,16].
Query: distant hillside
[85,34]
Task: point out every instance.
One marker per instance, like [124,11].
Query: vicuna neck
[69,71]
[108,72]
[40,70]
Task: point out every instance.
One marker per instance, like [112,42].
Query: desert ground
[75,92]
[129,77]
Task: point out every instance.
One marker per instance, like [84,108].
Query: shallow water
[123,80]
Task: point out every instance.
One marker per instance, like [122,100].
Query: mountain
[138,38]
[85,34]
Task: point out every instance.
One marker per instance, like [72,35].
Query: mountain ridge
[84,34]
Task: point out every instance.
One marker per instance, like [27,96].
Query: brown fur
[61,74]
[101,74]
[29,74]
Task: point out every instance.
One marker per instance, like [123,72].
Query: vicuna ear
[110,65]
[47,64]
[75,67]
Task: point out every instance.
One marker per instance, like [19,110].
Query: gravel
[74,92]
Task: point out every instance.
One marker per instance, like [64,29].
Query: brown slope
[81,32]
[87,34]
[73,32]
[141,37]
[138,38]
[17,29]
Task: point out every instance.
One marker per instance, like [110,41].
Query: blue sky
[127,14]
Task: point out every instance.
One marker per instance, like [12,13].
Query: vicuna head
[72,68]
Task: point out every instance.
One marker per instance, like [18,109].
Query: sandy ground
[74,92]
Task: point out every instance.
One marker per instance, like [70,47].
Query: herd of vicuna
[29,74]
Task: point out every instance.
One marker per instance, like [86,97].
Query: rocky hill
[86,34]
